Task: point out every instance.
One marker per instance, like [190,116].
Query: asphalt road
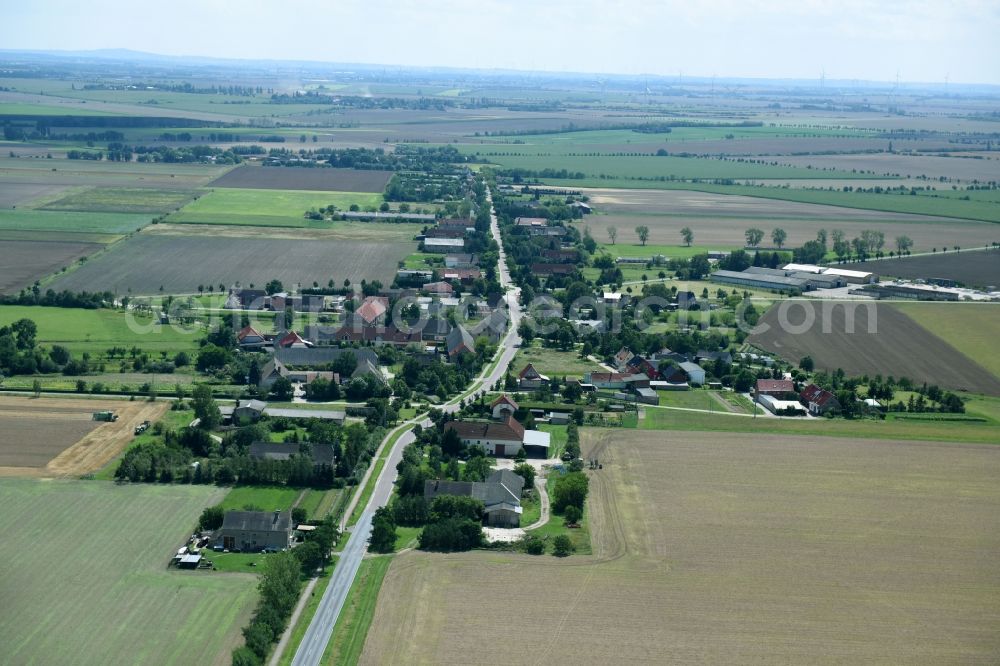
[315,640]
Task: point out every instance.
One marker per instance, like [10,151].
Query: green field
[971,328]
[93,586]
[693,399]
[270,208]
[121,200]
[94,331]
[71,222]
[552,362]
[571,140]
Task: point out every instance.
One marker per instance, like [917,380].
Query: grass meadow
[280,208]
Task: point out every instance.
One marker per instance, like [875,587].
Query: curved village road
[315,640]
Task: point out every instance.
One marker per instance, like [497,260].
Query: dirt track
[56,437]
[710,549]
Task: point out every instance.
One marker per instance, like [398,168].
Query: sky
[921,40]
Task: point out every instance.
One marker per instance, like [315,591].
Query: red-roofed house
[292,340]
[776,388]
[249,337]
[818,401]
[439,288]
[373,309]
[503,405]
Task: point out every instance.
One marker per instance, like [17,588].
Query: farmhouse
[460,261]
[606,380]
[461,274]
[503,438]
[622,358]
[272,371]
[776,388]
[250,338]
[311,357]
[500,494]
[492,326]
[254,531]
[439,288]
[248,411]
[291,339]
[818,401]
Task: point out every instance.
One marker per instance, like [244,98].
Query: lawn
[279,208]
[693,399]
[94,331]
[666,420]
[98,591]
[267,498]
[552,362]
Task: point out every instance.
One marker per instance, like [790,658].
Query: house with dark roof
[271,372]
[461,274]
[546,270]
[713,356]
[493,326]
[818,401]
[248,411]
[321,454]
[461,261]
[439,288]
[312,357]
[500,495]
[248,299]
[459,342]
[254,531]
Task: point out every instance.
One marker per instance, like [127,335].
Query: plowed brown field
[717,550]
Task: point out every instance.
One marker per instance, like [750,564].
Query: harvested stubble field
[717,550]
[106,174]
[301,178]
[973,269]
[55,437]
[92,586]
[899,345]
[24,261]
[721,220]
[178,264]
[18,194]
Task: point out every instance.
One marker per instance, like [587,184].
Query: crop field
[962,169]
[55,437]
[122,200]
[899,346]
[974,269]
[300,178]
[24,261]
[282,208]
[94,331]
[971,328]
[71,222]
[93,586]
[178,264]
[717,550]
[18,194]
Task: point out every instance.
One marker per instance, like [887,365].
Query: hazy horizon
[754,39]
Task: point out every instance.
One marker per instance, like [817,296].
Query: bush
[451,535]
[211,518]
[299,515]
[572,515]
[244,656]
[562,546]
[533,545]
